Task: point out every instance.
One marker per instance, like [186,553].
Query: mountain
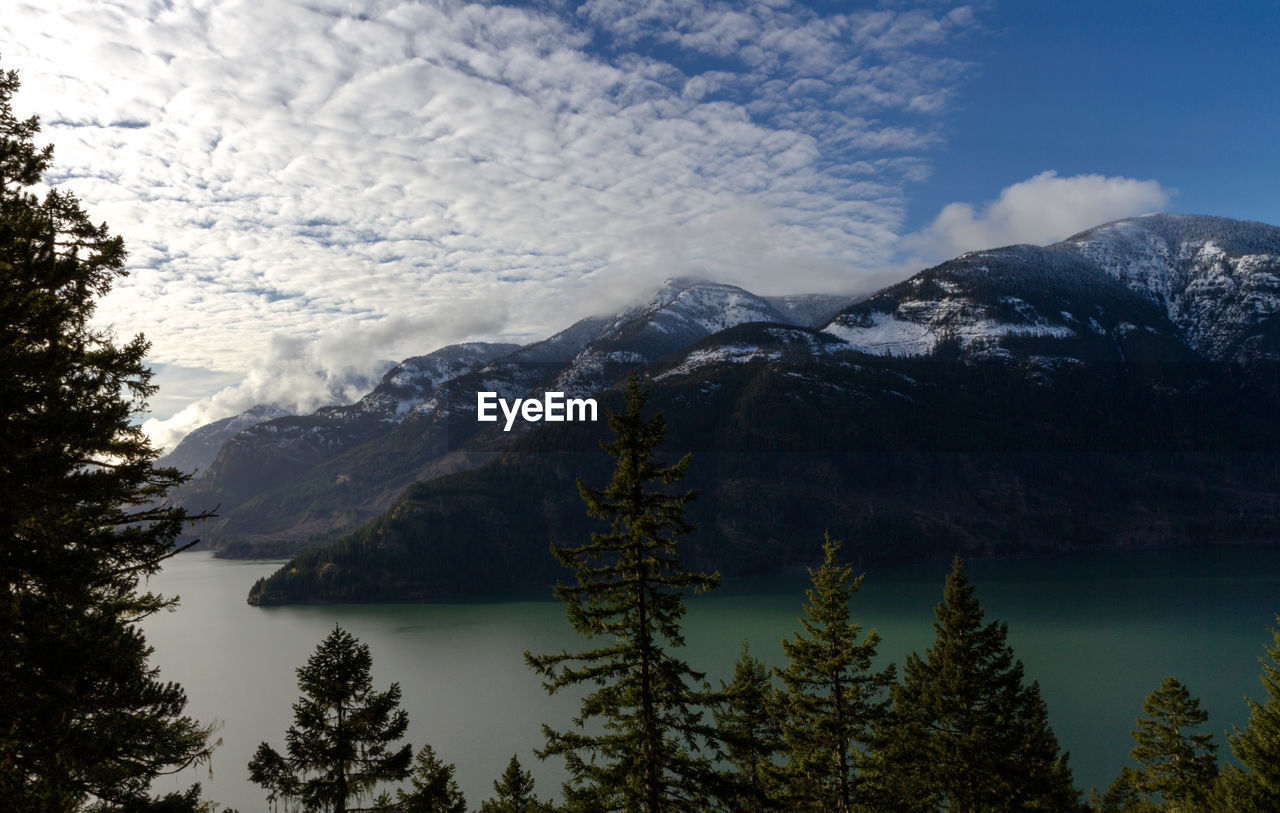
[303,479]
[1218,280]
[1207,283]
[679,314]
[198,449]
[268,453]
[1014,401]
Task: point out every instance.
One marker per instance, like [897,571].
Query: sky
[311,189]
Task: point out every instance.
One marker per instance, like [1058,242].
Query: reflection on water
[1098,630]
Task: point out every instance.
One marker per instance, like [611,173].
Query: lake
[1099,630]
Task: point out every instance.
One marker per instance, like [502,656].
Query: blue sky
[1182,92]
[309,187]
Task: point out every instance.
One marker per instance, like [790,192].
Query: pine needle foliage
[84,717]
[1177,768]
[968,733]
[747,725]
[831,697]
[432,787]
[1255,784]
[513,792]
[342,741]
[639,740]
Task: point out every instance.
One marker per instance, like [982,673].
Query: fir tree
[432,788]
[1177,768]
[747,725]
[1255,785]
[1124,795]
[341,743]
[84,718]
[630,581]
[514,793]
[967,732]
[831,697]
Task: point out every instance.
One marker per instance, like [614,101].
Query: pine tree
[1177,768]
[1255,785]
[1124,795]
[831,697]
[966,730]
[514,793]
[432,788]
[747,725]
[630,582]
[340,744]
[83,715]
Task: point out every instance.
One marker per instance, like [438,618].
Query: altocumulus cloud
[375,179]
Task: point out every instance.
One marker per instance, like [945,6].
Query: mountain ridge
[990,412]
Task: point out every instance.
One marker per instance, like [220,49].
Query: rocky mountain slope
[1208,283]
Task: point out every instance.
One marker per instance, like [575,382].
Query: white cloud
[308,170]
[1042,209]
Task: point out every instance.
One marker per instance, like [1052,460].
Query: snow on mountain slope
[1211,283]
[752,343]
[412,381]
[680,313]
[198,449]
[1217,279]
[985,299]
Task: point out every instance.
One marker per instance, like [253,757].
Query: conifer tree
[342,741]
[432,788]
[747,726]
[84,717]
[514,793]
[831,697]
[1177,768]
[1255,784]
[645,753]
[966,729]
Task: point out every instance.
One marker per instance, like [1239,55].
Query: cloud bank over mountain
[1039,210]
[375,179]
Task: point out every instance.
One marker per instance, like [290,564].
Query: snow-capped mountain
[1192,290]
[198,449]
[680,313]
[271,452]
[1218,280]
[1210,283]
[411,382]
[419,418]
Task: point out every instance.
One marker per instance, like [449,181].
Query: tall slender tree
[647,751]
[968,731]
[747,725]
[84,717]
[513,793]
[342,741]
[1255,784]
[832,698]
[1177,768]
[432,787]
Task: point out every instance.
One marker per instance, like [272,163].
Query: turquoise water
[1098,630]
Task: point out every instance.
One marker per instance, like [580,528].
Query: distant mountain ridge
[200,446]
[284,482]
[913,369]
[1210,283]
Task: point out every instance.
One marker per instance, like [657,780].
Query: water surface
[1098,630]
